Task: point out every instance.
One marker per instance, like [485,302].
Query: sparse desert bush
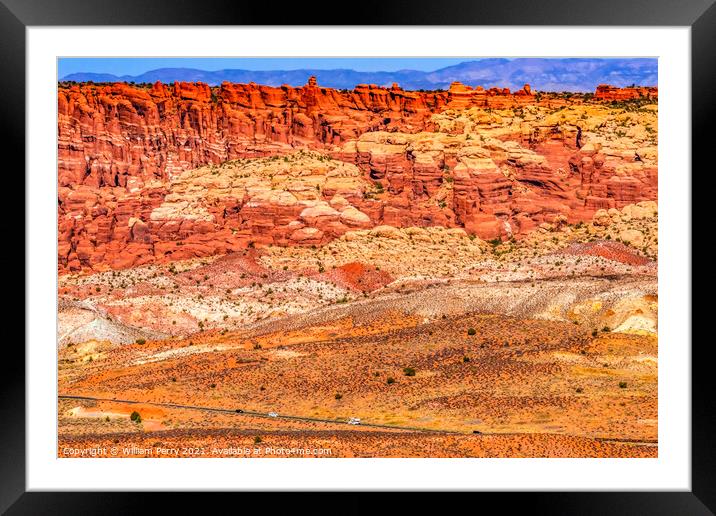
[135,417]
[257,439]
[408,371]
[622,385]
[140,341]
[465,359]
[471,331]
[390,380]
[338,395]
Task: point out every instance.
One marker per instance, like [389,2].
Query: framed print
[438,252]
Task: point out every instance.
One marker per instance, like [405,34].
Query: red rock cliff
[123,135]
[611,93]
[123,148]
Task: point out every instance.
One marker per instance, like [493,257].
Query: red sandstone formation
[122,135]
[462,96]
[119,145]
[611,93]
[602,187]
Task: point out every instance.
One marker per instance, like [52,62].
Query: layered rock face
[173,172]
[120,135]
[123,135]
[612,93]
[301,198]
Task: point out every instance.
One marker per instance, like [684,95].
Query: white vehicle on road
[354,421]
[272,414]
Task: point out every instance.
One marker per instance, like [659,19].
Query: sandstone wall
[139,177]
[124,135]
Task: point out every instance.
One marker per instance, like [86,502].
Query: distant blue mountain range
[544,74]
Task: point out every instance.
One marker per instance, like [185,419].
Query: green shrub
[622,385]
[471,331]
[140,341]
[135,417]
[408,371]
[390,380]
[338,395]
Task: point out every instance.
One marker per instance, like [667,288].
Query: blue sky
[136,66]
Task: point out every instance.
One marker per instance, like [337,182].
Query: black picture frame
[700,15]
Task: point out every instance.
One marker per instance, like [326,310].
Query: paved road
[641,442]
[258,414]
